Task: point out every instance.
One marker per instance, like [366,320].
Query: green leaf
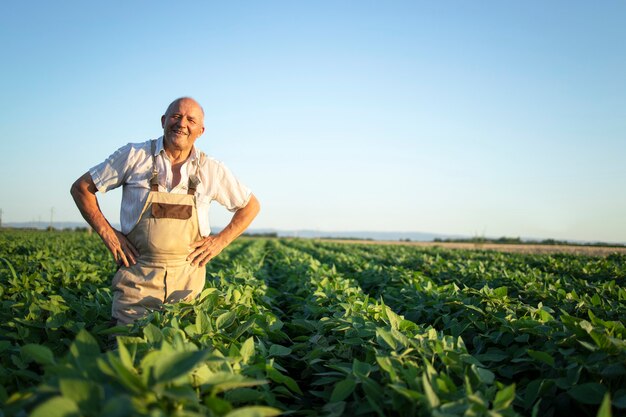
[276,376]
[409,394]
[613,370]
[84,345]
[6,261]
[588,345]
[431,396]
[385,363]
[254,411]
[541,356]
[203,324]
[152,334]
[244,327]
[589,393]
[523,338]
[386,338]
[501,292]
[57,407]
[84,351]
[247,349]
[244,395]
[497,356]
[596,300]
[504,398]
[473,307]
[38,353]
[218,405]
[361,369]
[279,350]
[114,368]
[373,394]
[343,389]
[291,384]
[206,292]
[393,318]
[225,320]
[147,366]
[86,394]
[605,407]
[484,375]
[545,316]
[127,361]
[115,330]
[181,393]
[224,381]
[173,365]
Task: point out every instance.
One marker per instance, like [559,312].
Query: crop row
[359,357]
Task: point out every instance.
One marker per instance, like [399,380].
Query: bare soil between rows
[526,248]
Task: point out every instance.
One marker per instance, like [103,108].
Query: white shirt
[131,167]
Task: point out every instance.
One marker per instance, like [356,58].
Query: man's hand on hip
[124,253]
[206,249]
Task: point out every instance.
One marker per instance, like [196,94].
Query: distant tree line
[518,241]
[345,238]
[264,234]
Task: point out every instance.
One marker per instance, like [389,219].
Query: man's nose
[182,122]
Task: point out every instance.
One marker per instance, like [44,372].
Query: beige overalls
[167,226]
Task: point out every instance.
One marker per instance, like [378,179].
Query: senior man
[168,184]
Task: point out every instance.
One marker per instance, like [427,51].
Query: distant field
[310,327]
[513,248]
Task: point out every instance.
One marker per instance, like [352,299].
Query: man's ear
[163,121]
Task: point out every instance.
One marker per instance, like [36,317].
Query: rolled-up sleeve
[228,190]
[111,173]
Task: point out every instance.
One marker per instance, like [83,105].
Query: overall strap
[194,179]
[193,184]
[154,180]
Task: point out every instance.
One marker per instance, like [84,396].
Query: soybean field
[310,328]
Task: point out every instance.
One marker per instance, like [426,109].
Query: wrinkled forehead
[186,105]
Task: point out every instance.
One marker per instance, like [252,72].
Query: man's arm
[209,247]
[84,193]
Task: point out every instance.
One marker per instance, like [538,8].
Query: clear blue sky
[495,118]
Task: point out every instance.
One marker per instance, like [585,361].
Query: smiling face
[183,123]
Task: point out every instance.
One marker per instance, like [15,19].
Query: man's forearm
[83,192]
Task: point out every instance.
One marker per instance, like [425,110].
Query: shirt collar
[159,146]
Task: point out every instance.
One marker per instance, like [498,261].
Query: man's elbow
[253,206]
[74,189]
[82,185]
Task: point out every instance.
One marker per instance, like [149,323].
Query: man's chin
[179,142]
[175,138]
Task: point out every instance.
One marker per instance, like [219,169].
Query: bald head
[178,101]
